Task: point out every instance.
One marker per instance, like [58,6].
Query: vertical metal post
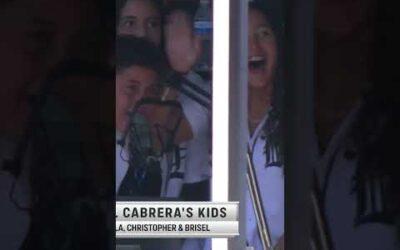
[299,98]
[238,113]
[221,108]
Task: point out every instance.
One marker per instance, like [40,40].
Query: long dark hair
[63,204]
[376,130]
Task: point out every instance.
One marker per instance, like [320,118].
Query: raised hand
[183,48]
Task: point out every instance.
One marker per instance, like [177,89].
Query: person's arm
[183,48]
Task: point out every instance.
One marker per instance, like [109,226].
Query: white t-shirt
[341,203]
[197,164]
[271,186]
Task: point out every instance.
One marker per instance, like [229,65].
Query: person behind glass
[263,125]
[140,18]
[139,69]
[356,124]
[34,209]
[138,66]
[143,18]
[183,48]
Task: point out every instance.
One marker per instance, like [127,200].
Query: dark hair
[273,13]
[375,132]
[133,51]
[120,4]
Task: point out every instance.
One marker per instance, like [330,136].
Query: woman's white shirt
[271,185]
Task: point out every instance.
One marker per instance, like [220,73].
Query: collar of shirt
[257,132]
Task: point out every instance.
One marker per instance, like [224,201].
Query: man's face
[133,84]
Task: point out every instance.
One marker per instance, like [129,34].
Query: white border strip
[220,112]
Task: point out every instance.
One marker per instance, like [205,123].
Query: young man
[147,131]
[138,66]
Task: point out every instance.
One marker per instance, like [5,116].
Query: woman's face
[262,51]
[140,18]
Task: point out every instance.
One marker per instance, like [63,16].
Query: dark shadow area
[57,100]
[356,121]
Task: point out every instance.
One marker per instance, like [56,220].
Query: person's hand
[183,48]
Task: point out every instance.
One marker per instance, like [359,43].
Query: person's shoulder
[195,78]
[196,92]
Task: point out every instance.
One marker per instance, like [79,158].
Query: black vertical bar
[298,122]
